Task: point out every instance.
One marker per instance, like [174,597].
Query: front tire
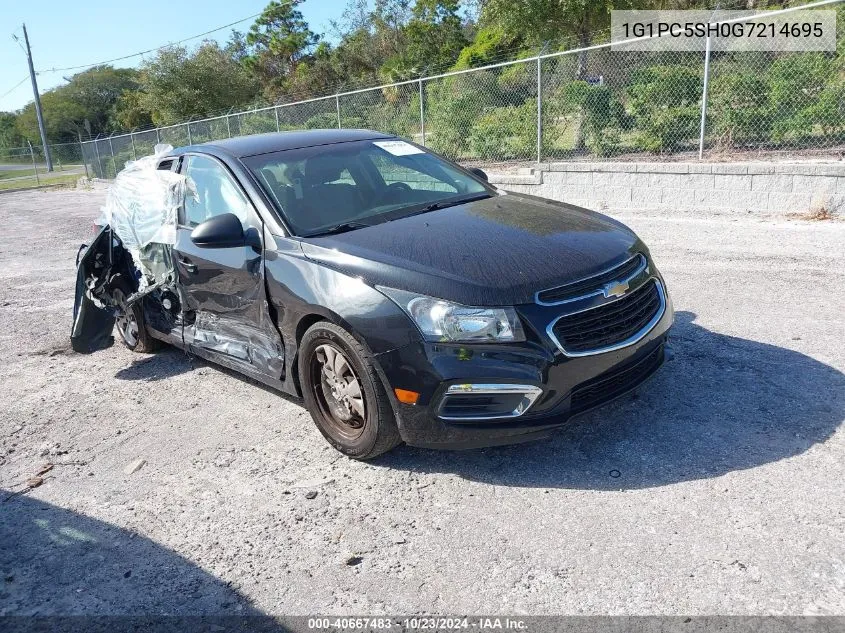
[344,394]
[132,327]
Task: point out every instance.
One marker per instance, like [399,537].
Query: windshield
[348,185]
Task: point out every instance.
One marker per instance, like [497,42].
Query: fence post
[704,98]
[58,160]
[228,126]
[34,168]
[113,160]
[337,105]
[158,136]
[132,140]
[422,112]
[82,156]
[539,108]
[188,126]
[99,161]
[276,112]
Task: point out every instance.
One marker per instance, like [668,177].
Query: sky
[64,34]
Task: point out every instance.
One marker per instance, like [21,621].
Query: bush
[506,132]
[515,83]
[739,107]
[664,101]
[602,115]
[797,84]
[452,106]
[322,121]
[828,112]
[257,122]
[400,117]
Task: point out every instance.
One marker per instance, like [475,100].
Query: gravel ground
[717,488]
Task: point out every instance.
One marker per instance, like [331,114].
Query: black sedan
[400,295]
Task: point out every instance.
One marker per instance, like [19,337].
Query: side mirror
[224,231]
[480,173]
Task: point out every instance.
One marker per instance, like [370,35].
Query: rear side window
[211,191]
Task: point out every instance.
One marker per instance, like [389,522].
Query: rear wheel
[344,394]
[131,326]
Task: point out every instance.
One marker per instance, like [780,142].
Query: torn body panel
[93,311]
[210,301]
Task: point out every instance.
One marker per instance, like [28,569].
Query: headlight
[440,320]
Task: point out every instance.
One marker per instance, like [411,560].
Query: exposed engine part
[170,302]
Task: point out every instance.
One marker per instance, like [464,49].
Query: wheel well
[301,328]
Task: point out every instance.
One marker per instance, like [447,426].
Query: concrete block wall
[764,188]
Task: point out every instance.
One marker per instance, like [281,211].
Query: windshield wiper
[445,204]
[343,227]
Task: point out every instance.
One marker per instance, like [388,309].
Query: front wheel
[131,326]
[344,394]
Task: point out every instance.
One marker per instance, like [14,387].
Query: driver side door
[224,301]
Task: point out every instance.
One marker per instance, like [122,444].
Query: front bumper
[569,385]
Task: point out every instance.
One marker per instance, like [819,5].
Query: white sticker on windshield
[398,148]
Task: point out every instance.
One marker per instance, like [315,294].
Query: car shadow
[167,363]
[170,362]
[58,562]
[723,404]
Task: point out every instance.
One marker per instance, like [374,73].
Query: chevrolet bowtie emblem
[615,289]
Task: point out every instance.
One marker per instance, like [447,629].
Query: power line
[12,89]
[152,50]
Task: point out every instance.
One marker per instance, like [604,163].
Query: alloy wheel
[127,324]
[338,391]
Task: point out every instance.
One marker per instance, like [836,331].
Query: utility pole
[38,113]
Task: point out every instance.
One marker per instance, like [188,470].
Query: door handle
[188,264]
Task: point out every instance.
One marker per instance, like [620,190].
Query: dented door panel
[224,301]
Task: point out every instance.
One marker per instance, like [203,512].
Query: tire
[132,327]
[360,436]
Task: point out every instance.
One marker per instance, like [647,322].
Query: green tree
[130,111]
[317,76]
[434,37]
[64,119]
[82,106]
[177,84]
[276,43]
[9,134]
[556,22]
[491,44]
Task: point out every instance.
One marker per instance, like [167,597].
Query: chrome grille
[611,325]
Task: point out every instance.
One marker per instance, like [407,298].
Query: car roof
[242,146]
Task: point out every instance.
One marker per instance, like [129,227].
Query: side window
[211,191]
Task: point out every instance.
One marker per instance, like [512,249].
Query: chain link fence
[592,103]
[23,167]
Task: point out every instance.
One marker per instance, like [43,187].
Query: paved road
[718,488]
[67,170]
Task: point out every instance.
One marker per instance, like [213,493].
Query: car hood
[496,251]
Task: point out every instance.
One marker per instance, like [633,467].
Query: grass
[15,173]
[818,214]
[59,179]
